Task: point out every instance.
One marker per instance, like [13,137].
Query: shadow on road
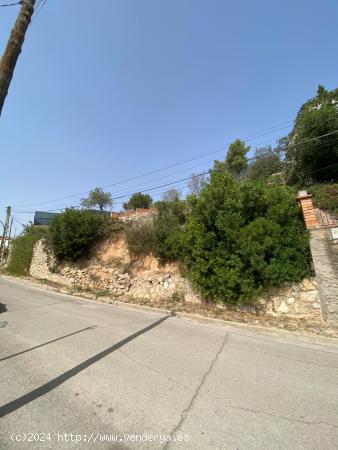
[46,343]
[45,388]
[3,308]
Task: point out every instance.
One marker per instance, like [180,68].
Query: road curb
[274,331]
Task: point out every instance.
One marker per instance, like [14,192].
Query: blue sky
[107,90]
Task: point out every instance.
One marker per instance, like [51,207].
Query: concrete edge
[277,332]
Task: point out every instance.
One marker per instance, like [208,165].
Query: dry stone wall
[115,276]
[110,269]
[324,251]
[296,300]
[43,263]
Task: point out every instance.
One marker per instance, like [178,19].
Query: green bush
[140,238]
[169,219]
[73,232]
[243,238]
[22,250]
[162,236]
[326,197]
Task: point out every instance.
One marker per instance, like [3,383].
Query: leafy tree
[72,233]
[241,239]
[236,160]
[266,163]
[309,157]
[97,199]
[196,184]
[138,200]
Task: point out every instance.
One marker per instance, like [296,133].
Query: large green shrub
[140,238]
[242,238]
[22,250]
[169,219]
[326,197]
[160,237]
[73,232]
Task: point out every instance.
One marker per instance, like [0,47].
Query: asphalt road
[73,370]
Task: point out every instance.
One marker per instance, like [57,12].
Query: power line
[166,185]
[38,8]
[248,159]
[137,187]
[22,224]
[212,151]
[208,171]
[10,4]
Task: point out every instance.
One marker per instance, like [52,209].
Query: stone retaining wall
[295,300]
[118,279]
[324,249]
[325,258]
[155,282]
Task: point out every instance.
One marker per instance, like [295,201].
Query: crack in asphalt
[151,369]
[192,401]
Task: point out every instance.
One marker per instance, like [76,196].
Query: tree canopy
[312,158]
[138,200]
[236,160]
[97,198]
[266,163]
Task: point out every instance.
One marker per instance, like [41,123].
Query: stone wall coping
[303,195]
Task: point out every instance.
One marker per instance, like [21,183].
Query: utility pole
[10,231]
[5,235]
[13,48]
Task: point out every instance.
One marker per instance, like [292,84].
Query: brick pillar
[308,210]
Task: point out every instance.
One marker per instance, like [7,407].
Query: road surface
[79,374]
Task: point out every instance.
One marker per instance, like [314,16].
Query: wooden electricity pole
[5,234]
[13,48]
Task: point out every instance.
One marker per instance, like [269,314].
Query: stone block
[331,308]
[283,308]
[290,300]
[309,297]
[307,285]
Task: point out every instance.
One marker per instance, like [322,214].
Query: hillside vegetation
[240,231]
[22,250]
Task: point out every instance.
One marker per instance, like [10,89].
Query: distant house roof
[43,217]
